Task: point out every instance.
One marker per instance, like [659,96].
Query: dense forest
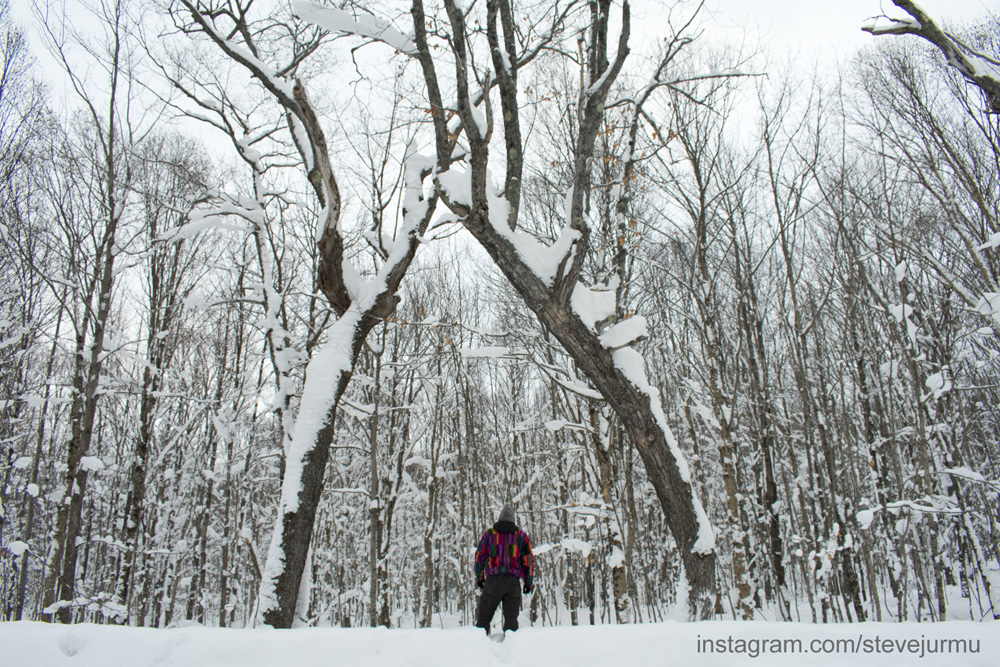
[296,297]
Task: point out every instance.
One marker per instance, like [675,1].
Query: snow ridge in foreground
[660,644]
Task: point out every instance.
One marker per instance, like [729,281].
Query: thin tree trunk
[30,518]
[600,433]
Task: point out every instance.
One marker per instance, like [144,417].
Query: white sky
[831,26]
[818,29]
[812,30]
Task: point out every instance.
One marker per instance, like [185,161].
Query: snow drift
[660,644]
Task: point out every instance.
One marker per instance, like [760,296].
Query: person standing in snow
[503,559]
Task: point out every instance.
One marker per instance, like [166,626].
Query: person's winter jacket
[505,549]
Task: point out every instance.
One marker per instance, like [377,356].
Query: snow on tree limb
[594,306]
[978,68]
[323,375]
[359,302]
[547,276]
[364,25]
[625,333]
[277,86]
[545,262]
[631,364]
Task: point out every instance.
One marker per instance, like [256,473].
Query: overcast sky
[815,31]
[819,29]
[826,28]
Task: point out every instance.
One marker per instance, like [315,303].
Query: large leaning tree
[473,61]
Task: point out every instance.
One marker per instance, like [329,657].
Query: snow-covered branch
[978,68]
[362,25]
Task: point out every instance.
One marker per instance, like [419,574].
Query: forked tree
[477,56]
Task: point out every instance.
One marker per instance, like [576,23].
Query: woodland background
[814,253]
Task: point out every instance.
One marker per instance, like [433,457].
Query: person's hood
[505,527]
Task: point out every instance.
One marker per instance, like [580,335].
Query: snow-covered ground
[970,644]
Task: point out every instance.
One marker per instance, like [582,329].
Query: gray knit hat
[507,514]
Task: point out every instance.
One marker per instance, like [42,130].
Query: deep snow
[26,644]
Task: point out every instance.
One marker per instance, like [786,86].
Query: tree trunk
[293,534]
[600,433]
[83,413]
[30,519]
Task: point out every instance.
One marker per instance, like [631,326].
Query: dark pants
[497,588]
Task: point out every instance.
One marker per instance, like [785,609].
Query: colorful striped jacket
[505,549]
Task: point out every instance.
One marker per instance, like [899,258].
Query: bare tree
[106,136]
[22,309]
[171,181]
